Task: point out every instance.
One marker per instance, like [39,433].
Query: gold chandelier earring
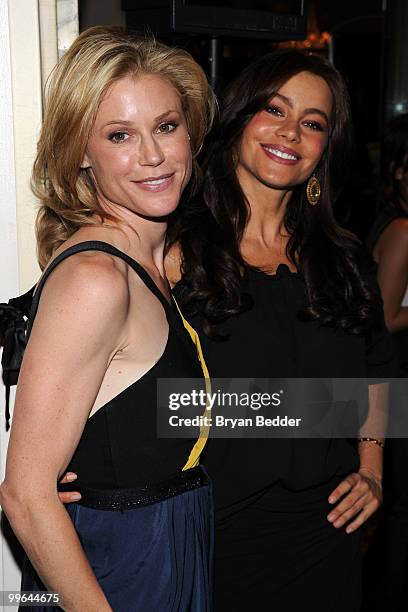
[313,190]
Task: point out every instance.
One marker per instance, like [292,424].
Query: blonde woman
[124,120]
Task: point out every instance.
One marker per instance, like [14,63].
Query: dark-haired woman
[389,235]
[388,240]
[267,268]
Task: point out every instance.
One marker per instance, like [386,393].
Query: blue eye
[118,137]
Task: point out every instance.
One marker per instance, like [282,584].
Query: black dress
[275,549]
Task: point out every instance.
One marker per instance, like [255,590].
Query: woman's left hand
[361,495]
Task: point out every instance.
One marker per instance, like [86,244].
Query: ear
[86,163]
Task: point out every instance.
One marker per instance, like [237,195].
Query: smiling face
[283,143]
[139,151]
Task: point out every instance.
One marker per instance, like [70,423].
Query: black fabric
[388,214]
[119,445]
[121,500]
[275,548]
[13,327]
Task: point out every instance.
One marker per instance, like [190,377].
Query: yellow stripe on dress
[197,449]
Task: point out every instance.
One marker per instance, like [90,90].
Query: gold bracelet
[373,440]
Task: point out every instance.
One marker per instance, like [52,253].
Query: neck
[265,237]
[267,207]
[267,215]
[146,236]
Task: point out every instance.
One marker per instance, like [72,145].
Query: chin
[279,184]
[161,212]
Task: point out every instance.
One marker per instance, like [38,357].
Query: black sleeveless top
[119,446]
[388,214]
[270,341]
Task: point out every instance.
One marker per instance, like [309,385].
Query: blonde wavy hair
[96,59]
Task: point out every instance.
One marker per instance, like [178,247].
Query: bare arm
[375,426]
[77,331]
[360,495]
[391,253]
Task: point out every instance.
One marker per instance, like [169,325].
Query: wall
[19,123]
[28,51]
[94,12]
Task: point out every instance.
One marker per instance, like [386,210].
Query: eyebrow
[129,123]
[307,111]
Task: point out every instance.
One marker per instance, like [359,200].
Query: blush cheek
[118,163]
[258,125]
[316,150]
[178,155]
[107,173]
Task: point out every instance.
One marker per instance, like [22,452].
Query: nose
[150,152]
[289,130]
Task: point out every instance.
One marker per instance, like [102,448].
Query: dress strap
[194,457]
[97,245]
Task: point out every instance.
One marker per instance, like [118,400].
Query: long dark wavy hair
[210,228]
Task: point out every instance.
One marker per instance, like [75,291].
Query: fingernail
[349,529]
[332,500]
[75,497]
[70,476]
[330,518]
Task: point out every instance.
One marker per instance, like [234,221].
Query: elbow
[15,505]
[391,319]
[391,323]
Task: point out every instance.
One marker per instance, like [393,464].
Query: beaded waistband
[126,499]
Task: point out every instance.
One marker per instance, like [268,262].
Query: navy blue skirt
[157,557]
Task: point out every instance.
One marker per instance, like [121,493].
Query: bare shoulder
[87,285]
[394,237]
[94,271]
[397,229]
[172,264]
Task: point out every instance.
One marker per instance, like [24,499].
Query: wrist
[376,441]
[366,471]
